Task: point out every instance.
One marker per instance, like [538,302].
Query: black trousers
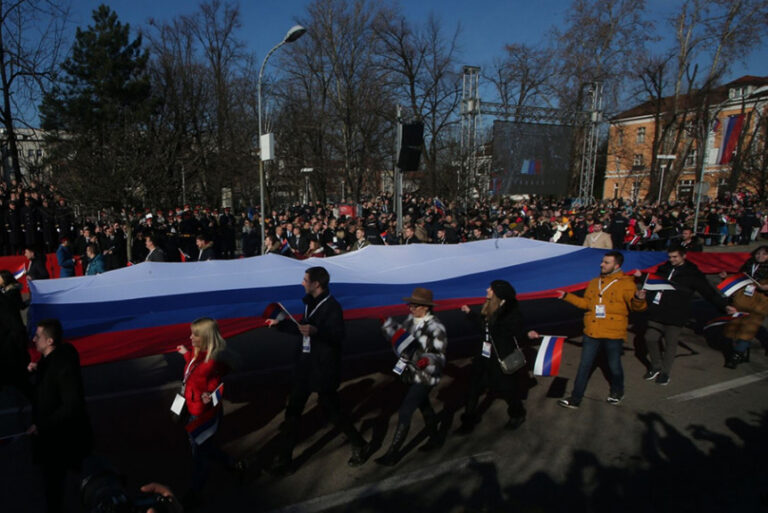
[416,397]
[480,382]
[330,404]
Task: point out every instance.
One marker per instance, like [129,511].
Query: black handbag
[513,362]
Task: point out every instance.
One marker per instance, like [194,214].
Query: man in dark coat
[61,431]
[317,368]
[36,269]
[204,249]
[669,310]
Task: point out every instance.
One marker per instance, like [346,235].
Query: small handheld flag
[656,282]
[21,271]
[401,340]
[725,319]
[731,284]
[217,395]
[277,312]
[549,356]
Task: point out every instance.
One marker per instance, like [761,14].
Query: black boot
[433,432]
[392,456]
[360,454]
[468,423]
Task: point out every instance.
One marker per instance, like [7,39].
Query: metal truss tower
[472,109]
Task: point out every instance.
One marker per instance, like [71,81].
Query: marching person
[61,431]
[204,367]
[740,332]
[420,342]
[317,368]
[502,324]
[14,341]
[669,310]
[607,300]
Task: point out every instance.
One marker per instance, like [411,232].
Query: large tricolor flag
[146,309]
[656,282]
[21,271]
[725,319]
[733,283]
[549,356]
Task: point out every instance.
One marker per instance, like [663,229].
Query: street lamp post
[668,158]
[293,34]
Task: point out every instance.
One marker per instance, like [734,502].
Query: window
[641,135]
[690,160]
[39,153]
[637,160]
[30,154]
[615,190]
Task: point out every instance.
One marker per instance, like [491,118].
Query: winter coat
[203,377]
[59,411]
[745,328]
[37,269]
[674,307]
[14,355]
[505,328]
[320,368]
[95,266]
[619,299]
[428,346]
[66,262]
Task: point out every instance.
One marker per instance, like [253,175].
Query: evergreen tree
[98,114]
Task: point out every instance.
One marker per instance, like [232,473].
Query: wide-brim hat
[420,296]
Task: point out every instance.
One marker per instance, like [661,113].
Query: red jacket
[203,377]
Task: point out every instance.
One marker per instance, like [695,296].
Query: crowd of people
[61,432]
[110,240]
[37,218]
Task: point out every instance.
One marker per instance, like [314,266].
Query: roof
[716,95]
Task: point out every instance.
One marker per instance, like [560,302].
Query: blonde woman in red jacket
[203,370]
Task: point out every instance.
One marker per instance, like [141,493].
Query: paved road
[659,450]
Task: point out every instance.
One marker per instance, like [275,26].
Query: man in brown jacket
[741,331]
[608,300]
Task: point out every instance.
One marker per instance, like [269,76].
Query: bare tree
[420,62]
[31,34]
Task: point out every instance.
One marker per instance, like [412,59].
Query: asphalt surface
[698,444]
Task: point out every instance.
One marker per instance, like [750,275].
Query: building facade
[659,140]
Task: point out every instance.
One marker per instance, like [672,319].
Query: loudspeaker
[410,146]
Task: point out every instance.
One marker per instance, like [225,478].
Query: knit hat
[503,290]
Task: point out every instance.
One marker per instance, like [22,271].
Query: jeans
[590,347]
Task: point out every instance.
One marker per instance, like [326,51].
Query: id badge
[657,298]
[749,290]
[486,349]
[305,347]
[600,311]
[399,367]
[178,404]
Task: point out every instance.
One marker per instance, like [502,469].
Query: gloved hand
[422,363]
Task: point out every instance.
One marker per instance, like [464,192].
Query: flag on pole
[202,427]
[217,395]
[9,439]
[656,282]
[401,340]
[725,319]
[733,283]
[549,356]
[277,312]
[439,206]
[21,271]
[183,255]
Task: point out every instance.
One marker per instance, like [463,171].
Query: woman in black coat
[501,324]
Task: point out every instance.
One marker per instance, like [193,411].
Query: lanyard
[601,289]
[669,278]
[755,267]
[187,372]
[310,314]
